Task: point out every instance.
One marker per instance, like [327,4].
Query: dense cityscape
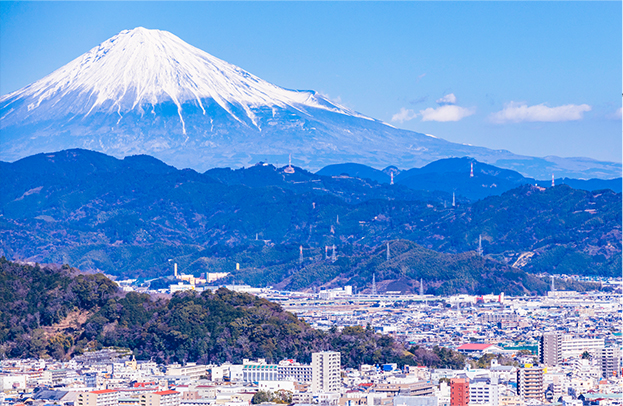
[559,349]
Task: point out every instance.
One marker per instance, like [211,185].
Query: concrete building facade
[326,376]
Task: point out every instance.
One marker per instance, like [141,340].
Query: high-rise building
[610,361]
[550,349]
[326,372]
[164,398]
[106,397]
[530,383]
[459,392]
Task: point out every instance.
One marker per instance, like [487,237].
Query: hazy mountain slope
[148,92]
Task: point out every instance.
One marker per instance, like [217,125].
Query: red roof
[103,391]
[166,392]
[474,347]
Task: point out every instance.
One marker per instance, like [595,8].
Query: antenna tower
[301,255]
[333,255]
[388,251]
[373,284]
[453,200]
[480,245]
[421,287]
[553,288]
[289,168]
[553,183]
[391,182]
[471,172]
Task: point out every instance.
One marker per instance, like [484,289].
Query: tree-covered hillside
[133,217]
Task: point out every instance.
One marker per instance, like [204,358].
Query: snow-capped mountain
[147,91]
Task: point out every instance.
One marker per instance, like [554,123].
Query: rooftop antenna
[388,251]
[333,255]
[391,182]
[453,200]
[471,172]
[421,287]
[289,168]
[301,255]
[373,284]
[480,245]
[553,183]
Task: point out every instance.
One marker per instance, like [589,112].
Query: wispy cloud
[517,112]
[619,113]
[418,100]
[404,115]
[449,112]
[447,99]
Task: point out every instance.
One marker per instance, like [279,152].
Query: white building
[484,391]
[574,347]
[326,370]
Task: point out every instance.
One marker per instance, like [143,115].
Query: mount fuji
[148,92]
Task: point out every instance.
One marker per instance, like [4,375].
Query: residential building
[530,383]
[163,398]
[550,349]
[610,361]
[106,397]
[326,367]
[459,392]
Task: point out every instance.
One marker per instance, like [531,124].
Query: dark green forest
[130,217]
[208,327]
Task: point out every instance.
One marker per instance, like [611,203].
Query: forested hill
[59,312]
[130,217]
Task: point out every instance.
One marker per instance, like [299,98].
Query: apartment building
[163,398]
[550,349]
[326,370]
[530,383]
[106,397]
[459,392]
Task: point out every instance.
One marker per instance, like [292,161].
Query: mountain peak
[140,68]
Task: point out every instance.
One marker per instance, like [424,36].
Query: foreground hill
[130,217]
[61,313]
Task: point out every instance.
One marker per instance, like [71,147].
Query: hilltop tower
[453,200]
[373,284]
[391,174]
[289,168]
[471,172]
[553,183]
[388,251]
[333,255]
[301,255]
[480,245]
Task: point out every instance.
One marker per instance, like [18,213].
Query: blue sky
[536,78]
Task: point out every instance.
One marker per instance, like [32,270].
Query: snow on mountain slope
[140,68]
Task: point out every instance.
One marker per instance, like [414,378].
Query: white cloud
[517,112]
[404,115]
[619,113]
[447,99]
[448,112]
